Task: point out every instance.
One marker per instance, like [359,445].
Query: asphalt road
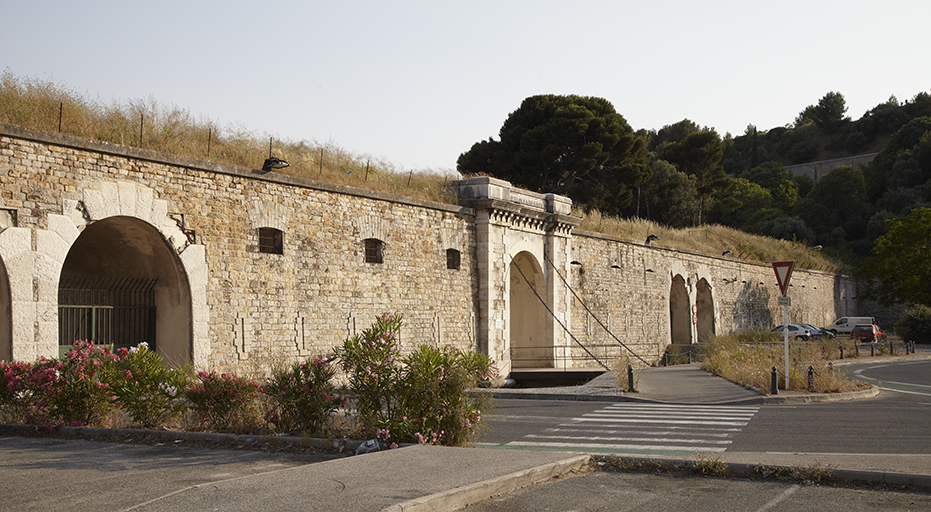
[894,422]
[615,492]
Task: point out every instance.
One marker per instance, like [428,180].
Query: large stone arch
[680,328]
[115,213]
[530,345]
[704,306]
[121,272]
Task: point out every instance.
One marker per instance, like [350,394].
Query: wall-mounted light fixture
[651,238]
[274,163]
[725,253]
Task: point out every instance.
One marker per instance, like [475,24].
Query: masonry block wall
[628,289]
[249,309]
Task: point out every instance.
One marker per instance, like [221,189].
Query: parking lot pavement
[48,473]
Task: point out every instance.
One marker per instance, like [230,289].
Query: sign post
[783,274]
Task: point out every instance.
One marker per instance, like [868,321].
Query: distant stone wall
[817,170]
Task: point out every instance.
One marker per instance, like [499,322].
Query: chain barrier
[550,311]
[603,326]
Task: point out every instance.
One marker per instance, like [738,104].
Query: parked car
[846,324]
[818,333]
[867,333]
[796,331]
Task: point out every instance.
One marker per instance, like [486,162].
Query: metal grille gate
[107,311]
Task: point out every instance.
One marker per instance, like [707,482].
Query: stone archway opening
[122,284]
[704,305]
[530,347]
[6,316]
[679,316]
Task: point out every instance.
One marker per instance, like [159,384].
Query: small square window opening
[373,250]
[452,259]
[271,241]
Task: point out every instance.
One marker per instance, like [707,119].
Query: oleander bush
[148,391]
[224,402]
[79,392]
[303,398]
[419,397]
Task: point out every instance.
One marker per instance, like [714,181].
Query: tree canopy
[577,146]
[900,269]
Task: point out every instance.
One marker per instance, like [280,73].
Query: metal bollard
[841,347]
[872,350]
[891,349]
[856,349]
[775,383]
[811,378]
[630,378]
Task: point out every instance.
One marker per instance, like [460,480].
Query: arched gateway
[122,284]
[523,240]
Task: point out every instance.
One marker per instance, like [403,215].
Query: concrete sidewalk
[678,384]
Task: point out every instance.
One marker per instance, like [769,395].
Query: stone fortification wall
[206,238]
[255,308]
[817,170]
[628,287]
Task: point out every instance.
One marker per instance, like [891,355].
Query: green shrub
[915,324]
[435,405]
[303,397]
[23,387]
[370,360]
[146,389]
[421,398]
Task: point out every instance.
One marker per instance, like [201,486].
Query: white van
[846,324]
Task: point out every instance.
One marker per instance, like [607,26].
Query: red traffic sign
[783,274]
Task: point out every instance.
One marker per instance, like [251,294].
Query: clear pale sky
[416,83]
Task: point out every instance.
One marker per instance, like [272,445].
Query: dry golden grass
[44,106]
[747,358]
[709,239]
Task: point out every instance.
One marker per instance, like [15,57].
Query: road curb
[760,400]
[454,499]
[821,397]
[752,470]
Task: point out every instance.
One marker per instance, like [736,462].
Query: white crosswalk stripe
[644,428]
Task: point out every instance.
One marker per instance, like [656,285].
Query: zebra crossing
[632,427]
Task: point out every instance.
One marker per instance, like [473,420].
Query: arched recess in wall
[6,316]
[122,283]
[529,346]
[679,316]
[704,305]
